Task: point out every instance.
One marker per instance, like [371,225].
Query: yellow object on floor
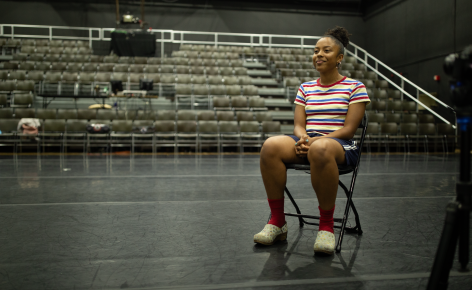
[99,106]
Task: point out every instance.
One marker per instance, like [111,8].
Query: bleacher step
[272,92]
[264,82]
[256,65]
[281,103]
[282,115]
[259,73]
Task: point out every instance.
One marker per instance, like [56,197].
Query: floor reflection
[278,266]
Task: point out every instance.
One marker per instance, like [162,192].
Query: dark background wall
[413,37]
[193,19]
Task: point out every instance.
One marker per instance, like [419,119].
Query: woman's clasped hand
[303,145]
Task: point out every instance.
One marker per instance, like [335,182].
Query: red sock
[277,212]
[326,220]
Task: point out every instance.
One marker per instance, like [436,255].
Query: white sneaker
[324,243]
[270,234]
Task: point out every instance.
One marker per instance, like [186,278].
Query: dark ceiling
[342,7]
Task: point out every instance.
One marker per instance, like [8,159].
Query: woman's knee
[320,151]
[270,148]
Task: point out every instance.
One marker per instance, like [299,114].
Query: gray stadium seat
[46,114]
[67,114]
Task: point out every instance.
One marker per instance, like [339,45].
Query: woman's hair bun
[340,33]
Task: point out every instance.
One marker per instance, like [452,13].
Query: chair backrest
[76,125]
[228,126]
[183,89]
[23,113]
[389,128]
[426,118]
[6,113]
[410,118]
[54,125]
[233,90]
[125,115]
[372,128]
[221,102]
[408,129]
[249,90]
[256,102]
[46,114]
[249,126]
[225,116]
[106,114]
[263,116]
[143,123]
[271,127]
[67,114]
[9,125]
[164,126]
[244,116]
[206,115]
[187,126]
[186,115]
[427,129]
[208,126]
[376,117]
[239,102]
[166,115]
[86,114]
[122,126]
[148,115]
[409,106]
[394,117]
[445,129]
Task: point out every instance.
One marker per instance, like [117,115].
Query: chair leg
[357,228]
[300,219]
[349,205]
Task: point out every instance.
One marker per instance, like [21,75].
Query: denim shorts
[351,151]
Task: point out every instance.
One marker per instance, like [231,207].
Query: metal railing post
[216,39]
[162,51]
[403,87]
[50,33]
[90,37]
[418,98]
[12,31]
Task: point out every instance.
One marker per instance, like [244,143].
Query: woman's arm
[299,128]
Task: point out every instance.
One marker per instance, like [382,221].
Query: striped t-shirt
[326,106]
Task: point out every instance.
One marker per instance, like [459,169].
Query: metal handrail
[397,74]
[264,40]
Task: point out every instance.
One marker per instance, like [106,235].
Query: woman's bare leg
[324,156]
[274,153]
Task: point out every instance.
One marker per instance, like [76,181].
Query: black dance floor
[187,222]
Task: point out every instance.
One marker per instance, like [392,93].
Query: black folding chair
[342,171]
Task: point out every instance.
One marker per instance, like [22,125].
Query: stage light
[116,86]
[145,85]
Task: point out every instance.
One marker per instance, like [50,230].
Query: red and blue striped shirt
[326,106]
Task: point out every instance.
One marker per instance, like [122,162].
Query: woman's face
[326,55]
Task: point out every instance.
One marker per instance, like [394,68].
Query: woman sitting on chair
[328,113]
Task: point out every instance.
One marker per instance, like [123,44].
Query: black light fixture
[116,86]
[145,84]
